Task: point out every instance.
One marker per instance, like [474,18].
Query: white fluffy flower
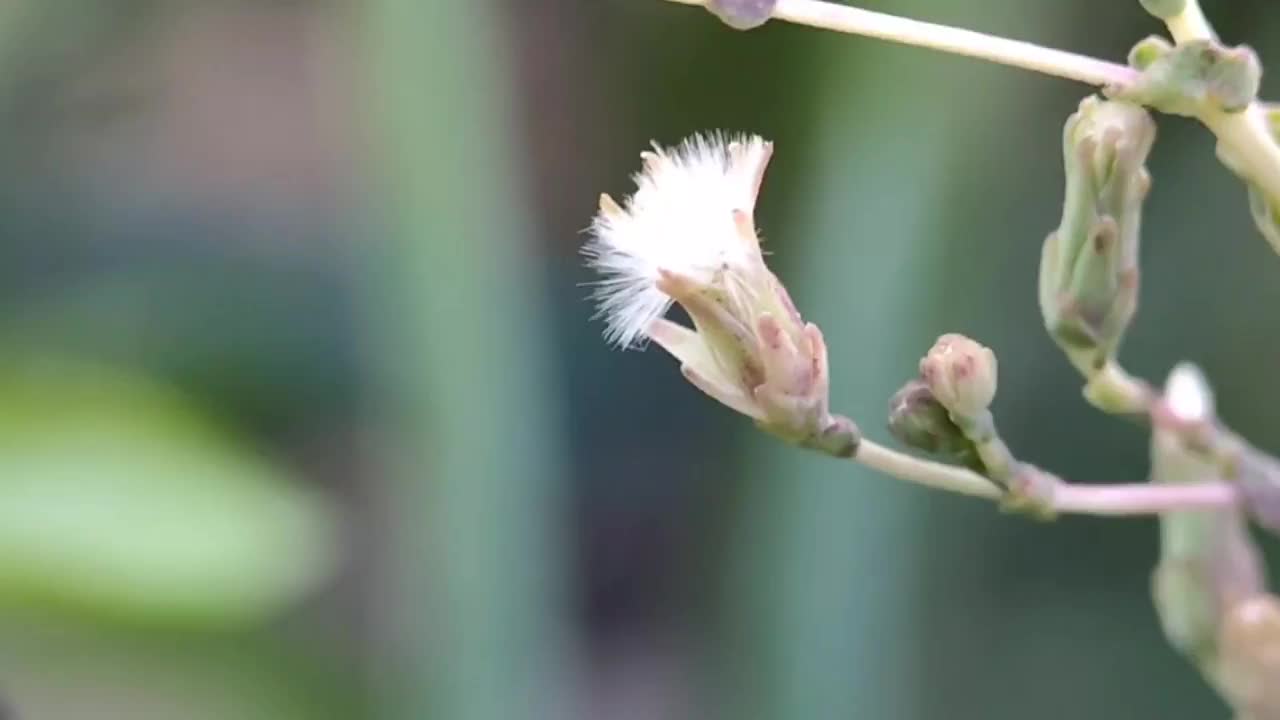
[688,235]
[691,215]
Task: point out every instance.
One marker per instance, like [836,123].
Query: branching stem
[1246,133]
[1068,498]
[1016,53]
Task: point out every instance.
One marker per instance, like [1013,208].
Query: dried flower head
[688,236]
[686,217]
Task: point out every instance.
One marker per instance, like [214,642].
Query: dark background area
[303,414]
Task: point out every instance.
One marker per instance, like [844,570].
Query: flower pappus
[683,218]
[687,235]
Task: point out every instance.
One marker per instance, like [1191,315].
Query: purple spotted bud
[961,374]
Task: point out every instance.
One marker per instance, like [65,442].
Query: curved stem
[1126,500]
[929,473]
[1113,390]
[1016,53]
[1246,133]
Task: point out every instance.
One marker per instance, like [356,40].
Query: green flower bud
[1193,78]
[1089,265]
[742,14]
[918,420]
[961,373]
[1147,51]
[1164,9]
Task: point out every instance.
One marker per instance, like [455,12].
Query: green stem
[1246,133]
[1190,24]
[957,41]
[1117,500]
[928,473]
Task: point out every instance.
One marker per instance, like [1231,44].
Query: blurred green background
[303,415]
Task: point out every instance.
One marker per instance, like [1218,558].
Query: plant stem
[924,472]
[1142,499]
[1113,390]
[1029,56]
[1191,24]
[1246,133]
[1102,500]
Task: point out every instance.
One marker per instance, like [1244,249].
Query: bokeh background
[303,415]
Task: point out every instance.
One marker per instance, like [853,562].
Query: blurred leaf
[116,499]
[104,672]
[226,331]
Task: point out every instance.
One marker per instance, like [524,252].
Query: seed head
[688,236]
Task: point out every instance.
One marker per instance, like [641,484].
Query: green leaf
[118,500]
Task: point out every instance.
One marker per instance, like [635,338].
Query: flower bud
[1193,78]
[1208,561]
[1247,668]
[742,14]
[1147,51]
[918,420]
[688,236]
[1089,265]
[961,374]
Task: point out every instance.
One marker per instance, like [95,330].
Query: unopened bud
[918,420]
[1193,78]
[1208,562]
[961,373]
[1188,399]
[1248,664]
[742,14]
[1147,51]
[1089,265]
[1164,9]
